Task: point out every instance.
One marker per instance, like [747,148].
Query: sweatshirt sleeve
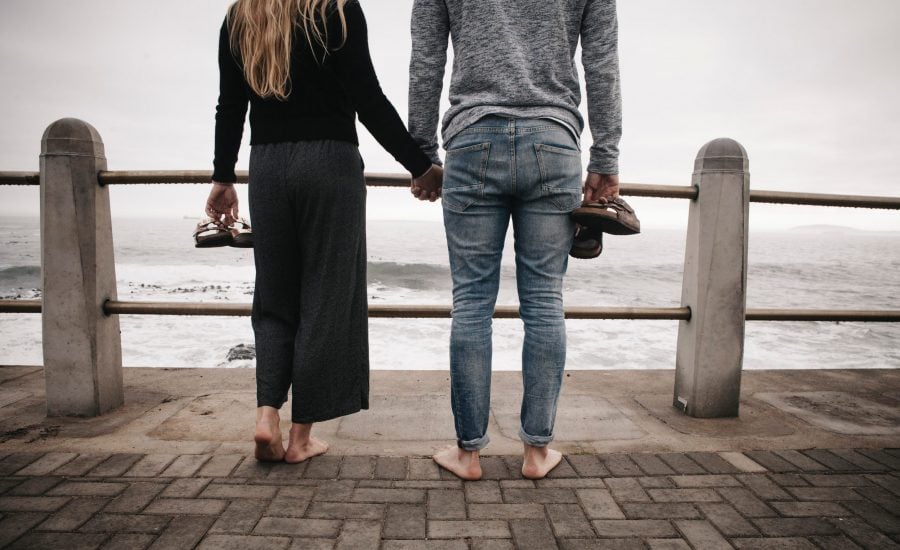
[352,63]
[430,29]
[600,57]
[231,111]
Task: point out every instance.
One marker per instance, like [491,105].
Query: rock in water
[242,352]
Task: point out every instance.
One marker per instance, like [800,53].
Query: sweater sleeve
[231,111]
[352,63]
[430,34]
[600,57]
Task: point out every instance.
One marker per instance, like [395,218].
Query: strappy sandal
[241,234]
[211,233]
[615,217]
[588,243]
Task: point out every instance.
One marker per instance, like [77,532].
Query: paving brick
[88,489]
[789,480]
[652,465]
[880,496]
[9,483]
[455,529]
[837,480]
[604,544]
[862,533]
[656,483]
[505,511]
[129,541]
[186,506]
[495,467]
[563,470]
[684,495]
[344,510]
[71,516]
[533,534]
[458,544]
[239,518]
[713,463]
[398,496]
[727,520]
[405,521]
[251,468]
[890,461]
[875,515]
[801,461]
[824,493]
[220,466]
[335,491]
[35,486]
[186,487]
[540,496]
[809,509]
[830,460]
[298,527]
[115,466]
[16,461]
[312,544]
[389,467]
[861,462]
[427,484]
[667,544]
[125,523]
[701,534]
[659,510]
[150,465]
[616,528]
[834,542]
[359,535]
[375,483]
[621,465]
[599,504]
[746,502]
[706,481]
[46,464]
[681,463]
[742,462]
[284,472]
[215,490]
[888,482]
[492,544]
[517,484]
[182,532]
[587,465]
[771,461]
[185,466]
[482,491]
[794,527]
[32,504]
[291,503]
[243,542]
[135,498]
[779,543]
[443,504]
[569,521]
[323,467]
[13,526]
[627,489]
[572,483]
[69,541]
[357,467]
[764,487]
[424,468]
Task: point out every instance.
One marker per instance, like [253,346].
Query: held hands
[222,204]
[427,187]
[600,187]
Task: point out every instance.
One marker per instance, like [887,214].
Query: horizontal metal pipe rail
[144,177]
[501,312]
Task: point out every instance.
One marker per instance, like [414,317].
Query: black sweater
[324,99]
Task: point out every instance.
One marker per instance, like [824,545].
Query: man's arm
[600,57]
[430,32]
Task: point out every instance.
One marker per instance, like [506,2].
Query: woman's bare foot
[538,461]
[464,464]
[302,446]
[268,435]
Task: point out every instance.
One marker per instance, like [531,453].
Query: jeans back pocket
[560,175]
[464,172]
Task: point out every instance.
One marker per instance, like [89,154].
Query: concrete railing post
[82,346]
[711,345]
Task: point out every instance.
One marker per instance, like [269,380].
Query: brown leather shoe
[615,217]
[588,243]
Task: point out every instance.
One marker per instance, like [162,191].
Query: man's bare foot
[538,461]
[302,446]
[268,435]
[464,464]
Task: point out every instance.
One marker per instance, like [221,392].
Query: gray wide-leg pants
[310,316]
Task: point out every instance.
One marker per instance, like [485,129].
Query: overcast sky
[809,87]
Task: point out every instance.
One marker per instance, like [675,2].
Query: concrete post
[82,346]
[711,345]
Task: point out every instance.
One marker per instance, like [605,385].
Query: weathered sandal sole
[601,221]
[214,241]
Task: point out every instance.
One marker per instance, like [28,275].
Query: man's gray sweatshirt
[516,58]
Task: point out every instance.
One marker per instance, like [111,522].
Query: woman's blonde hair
[262,31]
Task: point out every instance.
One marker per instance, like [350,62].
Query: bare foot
[538,461]
[268,435]
[302,445]
[464,464]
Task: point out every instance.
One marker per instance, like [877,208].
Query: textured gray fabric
[516,58]
[310,318]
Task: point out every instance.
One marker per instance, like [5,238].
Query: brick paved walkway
[841,499]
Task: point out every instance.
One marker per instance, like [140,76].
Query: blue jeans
[529,170]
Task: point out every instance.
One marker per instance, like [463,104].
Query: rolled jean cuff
[473,444]
[535,440]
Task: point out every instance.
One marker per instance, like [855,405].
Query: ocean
[813,267]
